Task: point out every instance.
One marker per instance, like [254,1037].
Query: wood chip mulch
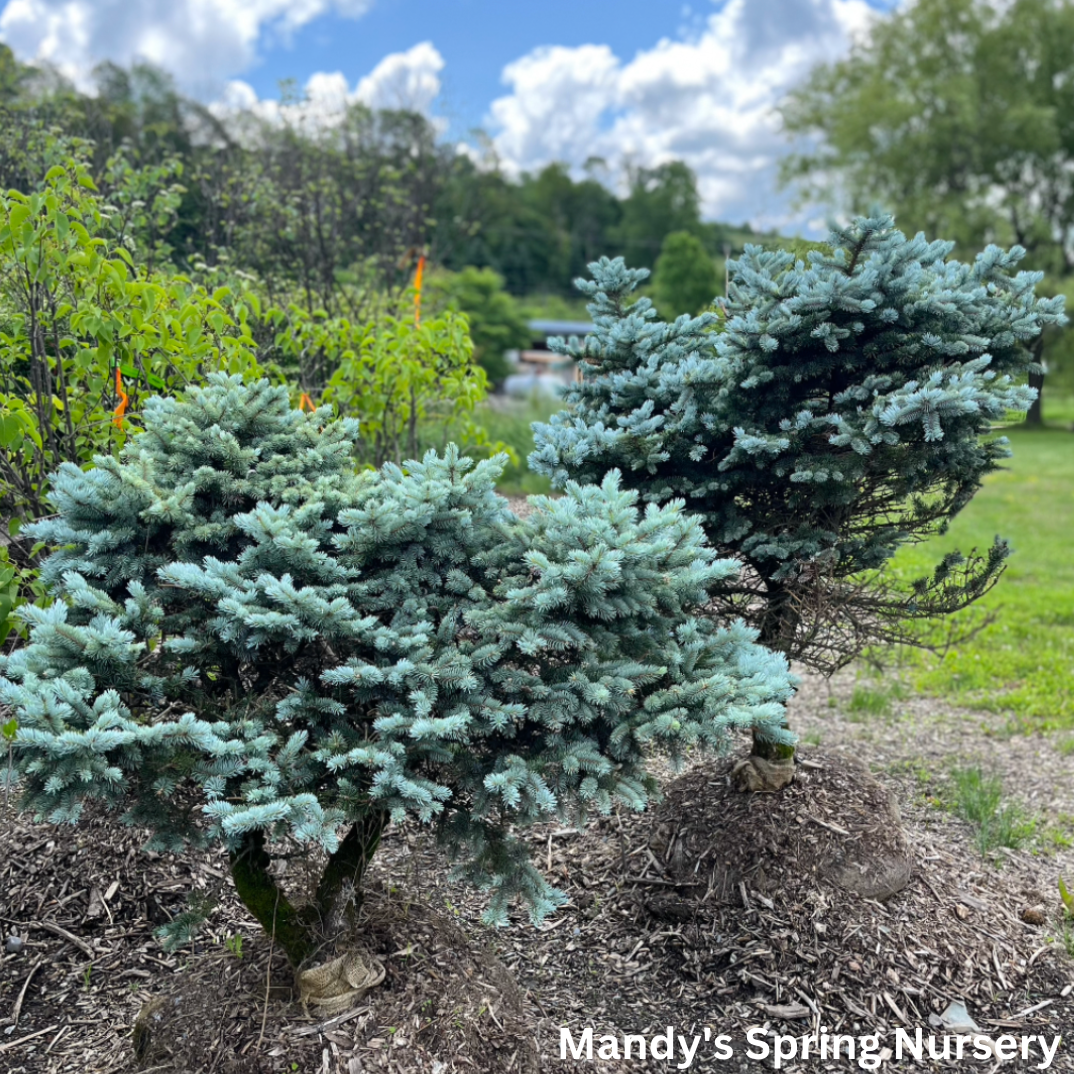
[717,909]
[783,946]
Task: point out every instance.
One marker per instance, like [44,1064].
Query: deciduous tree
[684,280]
[957,115]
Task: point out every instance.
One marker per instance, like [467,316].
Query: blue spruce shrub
[253,642]
[838,410]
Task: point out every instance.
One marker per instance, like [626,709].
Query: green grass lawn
[508,421]
[1024,662]
[1059,407]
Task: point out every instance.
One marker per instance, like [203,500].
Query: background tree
[312,203]
[842,412]
[959,116]
[305,201]
[537,233]
[684,280]
[497,323]
[660,200]
[255,644]
[583,212]
[12,74]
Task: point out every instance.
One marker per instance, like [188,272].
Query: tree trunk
[1035,414]
[261,895]
[339,894]
[771,765]
[300,931]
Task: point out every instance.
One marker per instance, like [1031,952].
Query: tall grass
[875,700]
[978,799]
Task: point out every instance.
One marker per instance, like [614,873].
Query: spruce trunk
[263,897]
[771,765]
[300,931]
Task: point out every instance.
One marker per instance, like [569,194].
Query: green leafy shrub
[76,309]
[10,597]
[401,379]
[497,323]
[255,643]
[18,585]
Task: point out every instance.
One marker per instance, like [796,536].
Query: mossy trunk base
[261,895]
[302,931]
[339,894]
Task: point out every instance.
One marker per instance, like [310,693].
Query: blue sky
[636,82]
[477,39]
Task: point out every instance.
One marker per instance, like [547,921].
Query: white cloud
[708,100]
[202,42]
[560,96]
[409,80]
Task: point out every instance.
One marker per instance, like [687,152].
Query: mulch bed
[85,902]
[676,944]
[717,909]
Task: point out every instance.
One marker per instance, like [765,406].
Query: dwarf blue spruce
[837,410]
[255,644]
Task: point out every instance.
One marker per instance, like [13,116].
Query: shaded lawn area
[1024,662]
[506,422]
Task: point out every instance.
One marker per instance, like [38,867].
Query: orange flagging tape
[417,289]
[117,414]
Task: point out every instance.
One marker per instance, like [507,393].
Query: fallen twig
[29,1036]
[70,937]
[664,883]
[831,827]
[1036,1007]
[320,1027]
[17,1009]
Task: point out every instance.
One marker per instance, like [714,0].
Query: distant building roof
[562,328]
[543,358]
